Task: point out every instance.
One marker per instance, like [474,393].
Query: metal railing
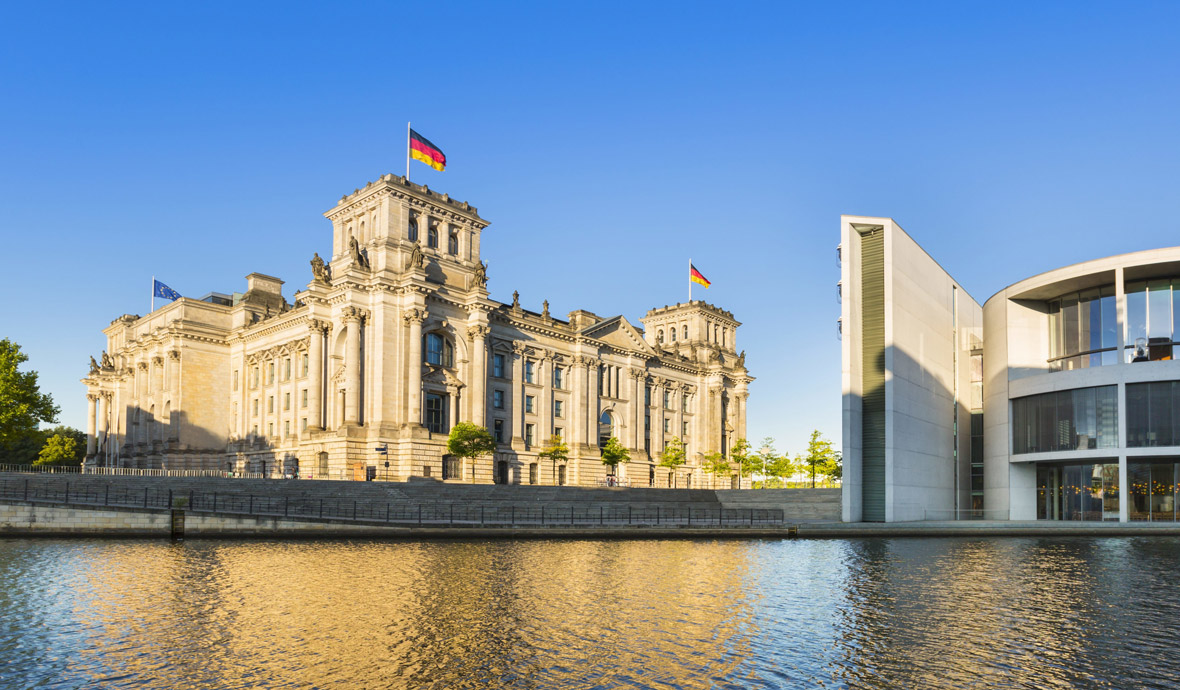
[364,511]
[131,471]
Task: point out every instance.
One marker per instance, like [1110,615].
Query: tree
[469,441]
[59,449]
[739,454]
[65,432]
[834,468]
[819,455]
[556,451]
[673,454]
[716,465]
[782,468]
[22,404]
[613,453]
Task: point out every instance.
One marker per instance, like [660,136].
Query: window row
[1153,320]
[717,334]
[1076,419]
[432,236]
[270,428]
[269,370]
[270,403]
[1083,329]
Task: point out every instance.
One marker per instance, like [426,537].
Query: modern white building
[1059,399]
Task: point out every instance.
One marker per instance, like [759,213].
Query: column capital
[174,355]
[415,315]
[317,326]
[478,332]
[142,366]
[351,313]
[157,360]
[92,397]
[519,347]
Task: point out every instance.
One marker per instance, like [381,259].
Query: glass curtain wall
[1153,414]
[1152,319]
[1152,490]
[1083,330]
[1079,419]
[1078,492]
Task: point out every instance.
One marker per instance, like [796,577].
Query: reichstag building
[393,341]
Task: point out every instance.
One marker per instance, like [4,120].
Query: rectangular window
[303,368]
[270,430]
[529,430]
[254,378]
[557,373]
[270,404]
[528,403]
[498,430]
[684,402]
[667,425]
[532,473]
[558,409]
[286,401]
[270,373]
[255,430]
[255,407]
[1153,415]
[667,400]
[303,398]
[498,399]
[528,372]
[498,366]
[435,413]
[235,379]
[557,432]
[647,395]
[287,369]
[303,424]
[1078,419]
[684,430]
[286,428]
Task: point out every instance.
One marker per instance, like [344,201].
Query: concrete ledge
[982,528]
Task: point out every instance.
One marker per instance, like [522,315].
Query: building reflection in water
[589,614]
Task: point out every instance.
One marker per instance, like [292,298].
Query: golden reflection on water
[882,613]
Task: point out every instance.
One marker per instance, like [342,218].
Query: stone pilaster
[517,395]
[91,424]
[414,318]
[479,374]
[353,318]
[315,376]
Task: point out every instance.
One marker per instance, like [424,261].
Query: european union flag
[162,290]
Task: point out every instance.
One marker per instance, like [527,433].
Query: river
[853,613]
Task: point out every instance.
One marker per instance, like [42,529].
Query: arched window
[685,334]
[660,336]
[439,350]
[413,230]
[432,237]
[606,429]
[453,243]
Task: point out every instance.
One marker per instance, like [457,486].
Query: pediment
[442,377]
[617,333]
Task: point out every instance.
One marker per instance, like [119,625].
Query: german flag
[695,276]
[422,150]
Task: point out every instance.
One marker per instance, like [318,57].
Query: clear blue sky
[607,143]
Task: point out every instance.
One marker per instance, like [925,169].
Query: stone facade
[393,341]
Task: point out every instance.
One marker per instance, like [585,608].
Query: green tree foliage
[469,441]
[766,458]
[740,455]
[717,465]
[22,404]
[819,456]
[673,454]
[555,451]
[59,449]
[834,468]
[613,453]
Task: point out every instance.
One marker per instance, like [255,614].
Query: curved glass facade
[1083,329]
[1078,419]
[1152,319]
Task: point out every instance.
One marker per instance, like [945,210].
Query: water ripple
[870,613]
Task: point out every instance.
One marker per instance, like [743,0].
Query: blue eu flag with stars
[162,290]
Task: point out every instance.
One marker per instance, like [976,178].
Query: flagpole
[154,294]
[690,279]
[407,152]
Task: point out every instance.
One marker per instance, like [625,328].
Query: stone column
[157,382]
[315,376]
[452,407]
[517,394]
[91,424]
[590,421]
[414,319]
[352,351]
[545,404]
[479,373]
[578,401]
[656,411]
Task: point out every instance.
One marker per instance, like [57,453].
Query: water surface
[865,613]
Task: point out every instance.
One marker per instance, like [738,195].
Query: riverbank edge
[19,519]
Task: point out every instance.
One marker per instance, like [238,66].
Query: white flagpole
[154,294]
[407,152]
[690,279]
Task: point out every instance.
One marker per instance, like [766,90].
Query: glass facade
[1152,489]
[1083,330]
[1153,414]
[1078,419]
[1152,318]
[1078,492]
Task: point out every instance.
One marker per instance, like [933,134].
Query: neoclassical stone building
[392,342]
